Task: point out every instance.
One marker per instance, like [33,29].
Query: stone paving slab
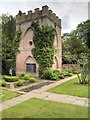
[4,107]
[61,98]
[87,104]
[81,103]
[82,99]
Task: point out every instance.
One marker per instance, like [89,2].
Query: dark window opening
[31,68]
[30,43]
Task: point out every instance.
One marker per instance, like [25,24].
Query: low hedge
[3,83]
[11,78]
[23,74]
[32,79]
[20,83]
[26,77]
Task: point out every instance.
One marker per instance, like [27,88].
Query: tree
[44,51]
[10,43]
[77,48]
[83,33]
[73,49]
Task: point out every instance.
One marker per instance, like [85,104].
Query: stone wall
[70,66]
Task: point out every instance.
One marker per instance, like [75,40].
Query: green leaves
[43,40]
[10,42]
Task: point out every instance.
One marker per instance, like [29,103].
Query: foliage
[85,75]
[76,49]
[83,33]
[11,78]
[20,83]
[48,73]
[23,74]
[44,51]
[57,72]
[73,49]
[54,76]
[67,73]
[26,77]
[10,43]
[61,76]
[32,79]
[3,83]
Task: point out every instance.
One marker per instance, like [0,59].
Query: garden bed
[28,89]
[25,83]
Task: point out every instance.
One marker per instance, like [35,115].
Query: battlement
[30,16]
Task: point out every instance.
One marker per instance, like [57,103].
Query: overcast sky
[71,12]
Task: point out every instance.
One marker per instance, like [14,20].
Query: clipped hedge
[26,77]
[11,78]
[32,79]
[3,83]
[20,83]
[23,74]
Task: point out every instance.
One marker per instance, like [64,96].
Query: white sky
[71,12]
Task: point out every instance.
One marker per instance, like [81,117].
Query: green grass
[38,108]
[6,95]
[70,88]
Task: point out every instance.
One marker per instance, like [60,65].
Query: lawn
[6,95]
[38,108]
[70,88]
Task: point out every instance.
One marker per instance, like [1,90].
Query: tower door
[30,68]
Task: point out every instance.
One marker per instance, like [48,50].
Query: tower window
[30,43]
[31,68]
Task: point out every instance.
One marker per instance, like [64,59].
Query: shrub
[22,74]
[48,73]
[70,71]
[61,76]
[26,77]
[20,83]
[54,76]
[57,72]
[70,74]
[11,78]
[75,71]
[3,84]
[65,73]
[32,79]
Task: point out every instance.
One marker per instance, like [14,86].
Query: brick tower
[25,61]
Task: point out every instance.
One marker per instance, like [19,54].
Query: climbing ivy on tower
[43,52]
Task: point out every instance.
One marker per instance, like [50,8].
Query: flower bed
[39,85]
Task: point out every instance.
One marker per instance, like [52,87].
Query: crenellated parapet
[30,16]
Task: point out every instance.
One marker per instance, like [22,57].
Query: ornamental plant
[43,51]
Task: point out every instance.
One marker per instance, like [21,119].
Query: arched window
[30,65]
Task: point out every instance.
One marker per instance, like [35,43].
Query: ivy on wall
[43,52]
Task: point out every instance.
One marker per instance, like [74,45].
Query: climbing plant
[43,52]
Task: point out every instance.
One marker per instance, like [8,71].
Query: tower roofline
[30,16]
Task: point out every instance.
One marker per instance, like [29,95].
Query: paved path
[41,93]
